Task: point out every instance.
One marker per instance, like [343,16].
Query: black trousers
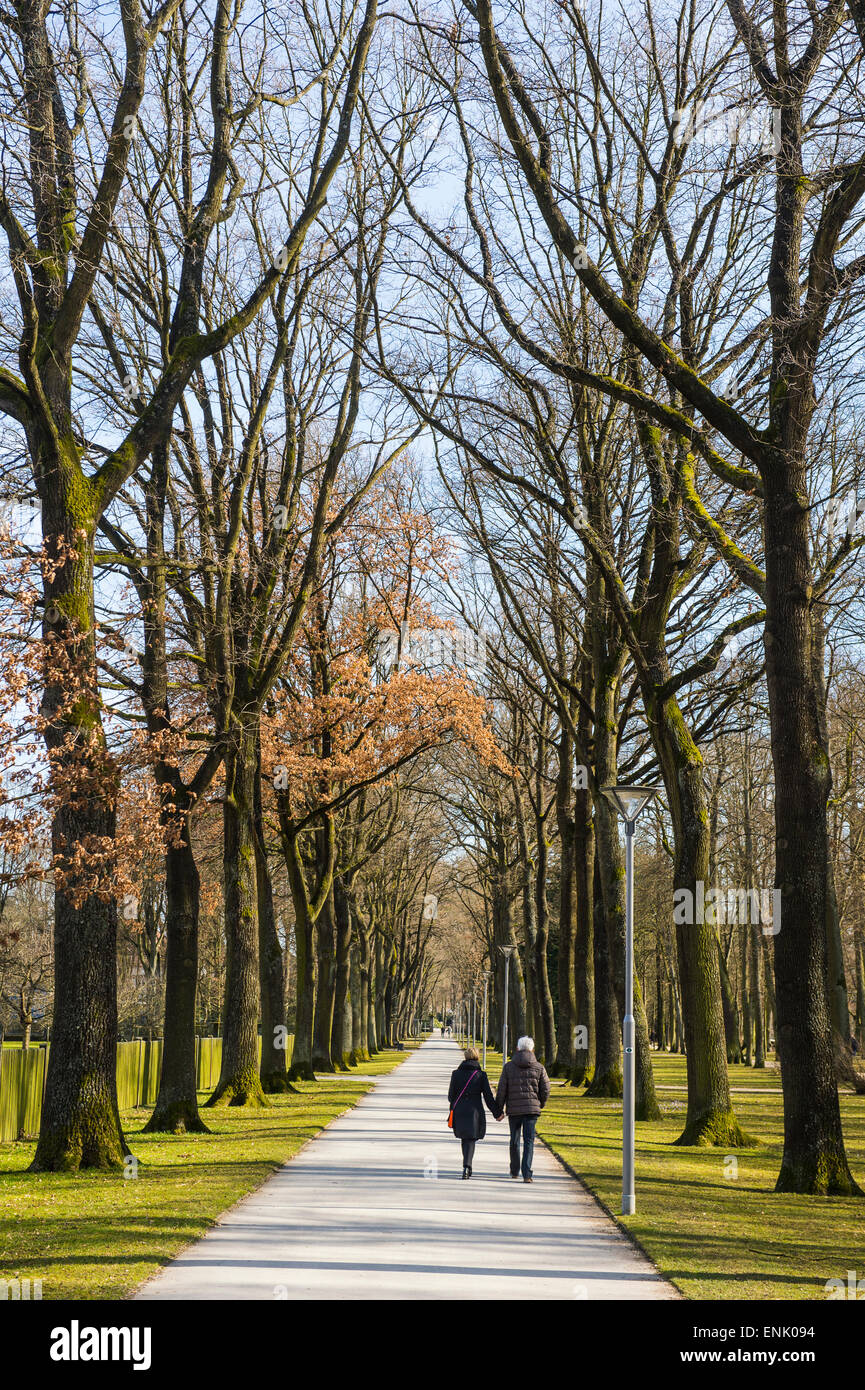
[522,1125]
[468,1152]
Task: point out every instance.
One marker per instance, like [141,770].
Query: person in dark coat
[523,1091]
[468,1090]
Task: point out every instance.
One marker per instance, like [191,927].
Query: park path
[375,1208]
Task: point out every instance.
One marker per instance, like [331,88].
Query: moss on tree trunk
[80,1124]
[814,1158]
[710,1118]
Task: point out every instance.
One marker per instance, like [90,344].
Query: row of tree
[241,300]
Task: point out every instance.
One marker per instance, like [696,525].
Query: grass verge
[710,1220]
[98,1235]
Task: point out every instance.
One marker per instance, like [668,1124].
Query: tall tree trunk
[731,1012]
[710,1119]
[505,936]
[80,1124]
[728,995]
[565,1057]
[836,983]
[839,1003]
[755,975]
[388,1020]
[176,1109]
[239,1082]
[745,994]
[814,1159]
[359,1040]
[379,991]
[584,965]
[340,1045]
[546,1024]
[769,990]
[660,1011]
[372,1014]
[607,1080]
[859,948]
[678,1023]
[324,996]
[528,955]
[305,974]
[530,935]
[314,860]
[365,971]
[757,996]
[274,1033]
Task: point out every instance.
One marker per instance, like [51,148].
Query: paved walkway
[375,1208]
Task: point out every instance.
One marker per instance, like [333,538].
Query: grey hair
[525,1044]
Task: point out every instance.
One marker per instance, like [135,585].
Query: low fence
[22,1082]
[139,1063]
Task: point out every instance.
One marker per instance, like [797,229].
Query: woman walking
[469,1088]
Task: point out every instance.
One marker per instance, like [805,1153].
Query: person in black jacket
[468,1090]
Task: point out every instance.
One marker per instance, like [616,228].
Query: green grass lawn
[715,1229]
[98,1235]
[709,1220]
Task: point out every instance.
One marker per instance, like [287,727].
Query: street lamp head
[507,950]
[630,801]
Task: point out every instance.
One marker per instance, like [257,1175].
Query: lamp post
[507,952]
[487,974]
[629,802]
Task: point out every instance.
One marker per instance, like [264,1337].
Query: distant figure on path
[469,1087]
[523,1091]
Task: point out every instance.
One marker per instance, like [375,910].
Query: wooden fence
[22,1079]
